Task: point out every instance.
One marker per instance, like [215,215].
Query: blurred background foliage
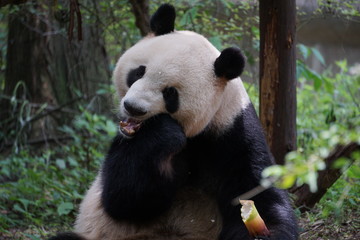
[52,143]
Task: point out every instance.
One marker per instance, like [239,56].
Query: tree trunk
[53,69]
[140,8]
[277,75]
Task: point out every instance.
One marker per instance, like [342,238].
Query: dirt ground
[331,228]
[323,229]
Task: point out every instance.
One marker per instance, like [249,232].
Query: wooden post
[277,75]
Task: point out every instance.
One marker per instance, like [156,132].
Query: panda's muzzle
[133,109]
[129,126]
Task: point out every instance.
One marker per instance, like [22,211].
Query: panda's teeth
[123,124]
[130,126]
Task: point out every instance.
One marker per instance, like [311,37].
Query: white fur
[184,60]
[194,214]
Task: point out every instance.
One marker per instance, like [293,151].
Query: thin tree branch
[74,8]
[326,178]
[37,117]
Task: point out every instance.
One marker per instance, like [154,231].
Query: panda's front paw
[163,131]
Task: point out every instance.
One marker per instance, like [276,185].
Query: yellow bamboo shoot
[251,217]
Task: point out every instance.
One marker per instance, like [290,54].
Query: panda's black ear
[230,64]
[163,20]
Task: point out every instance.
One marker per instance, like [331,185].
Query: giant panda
[189,143]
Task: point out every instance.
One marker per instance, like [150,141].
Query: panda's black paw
[163,131]
[139,182]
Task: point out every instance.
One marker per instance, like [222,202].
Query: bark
[53,69]
[305,199]
[140,8]
[277,75]
[26,57]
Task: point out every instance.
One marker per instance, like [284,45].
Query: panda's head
[179,73]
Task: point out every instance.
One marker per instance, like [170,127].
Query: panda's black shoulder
[244,137]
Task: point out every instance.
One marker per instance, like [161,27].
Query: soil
[330,228]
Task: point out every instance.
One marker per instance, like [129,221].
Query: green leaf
[60,163]
[299,69]
[318,55]
[72,161]
[18,208]
[25,203]
[305,51]
[311,75]
[102,91]
[342,65]
[189,16]
[354,172]
[216,41]
[287,181]
[329,86]
[111,128]
[6,171]
[273,171]
[65,208]
[341,162]
[32,237]
[317,81]
[312,181]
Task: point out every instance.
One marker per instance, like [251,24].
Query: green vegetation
[42,188]
[42,183]
[328,116]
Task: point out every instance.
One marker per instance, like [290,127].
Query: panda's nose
[133,110]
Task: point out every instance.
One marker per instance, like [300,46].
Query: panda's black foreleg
[233,226]
[138,175]
[276,212]
[274,207]
[242,155]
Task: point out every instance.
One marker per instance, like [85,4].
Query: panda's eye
[171,98]
[135,74]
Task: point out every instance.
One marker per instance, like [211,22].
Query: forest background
[57,106]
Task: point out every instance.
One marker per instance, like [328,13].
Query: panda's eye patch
[171,99]
[135,74]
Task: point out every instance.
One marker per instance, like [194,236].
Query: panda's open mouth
[130,126]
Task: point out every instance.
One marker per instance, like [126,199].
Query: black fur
[133,109]
[171,98]
[134,187]
[236,160]
[67,236]
[163,20]
[135,74]
[230,64]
